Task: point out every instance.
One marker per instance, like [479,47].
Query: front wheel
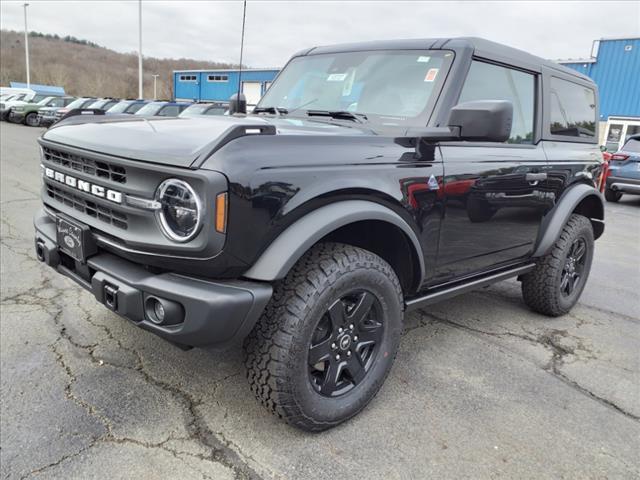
[612,195]
[556,283]
[328,337]
[32,120]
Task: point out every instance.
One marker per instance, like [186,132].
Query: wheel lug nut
[337,357]
[340,330]
[351,326]
[348,353]
[355,339]
[333,346]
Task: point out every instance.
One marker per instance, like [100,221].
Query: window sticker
[336,77]
[423,59]
[431,75]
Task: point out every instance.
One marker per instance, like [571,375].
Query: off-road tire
[541,287]
[277,348]
[31,119]
[612,195]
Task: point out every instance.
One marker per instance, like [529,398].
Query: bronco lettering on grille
[84,186]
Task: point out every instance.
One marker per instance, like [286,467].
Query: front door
[495,194]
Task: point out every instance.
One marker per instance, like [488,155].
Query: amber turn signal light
[221,212]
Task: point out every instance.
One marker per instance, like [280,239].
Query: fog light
[162,311]
[159,311]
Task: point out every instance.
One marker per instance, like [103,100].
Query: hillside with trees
[85,68]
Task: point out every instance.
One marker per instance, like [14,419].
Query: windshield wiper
[273,110]
[338,114]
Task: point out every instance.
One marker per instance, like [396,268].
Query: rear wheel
[32,119]
[327,339]
[612,195]
[556,283]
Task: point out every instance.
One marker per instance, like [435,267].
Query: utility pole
[155,91]
[26,45]
[140,93]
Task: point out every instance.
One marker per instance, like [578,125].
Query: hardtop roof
[481,48]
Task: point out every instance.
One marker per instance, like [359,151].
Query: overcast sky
[210,30]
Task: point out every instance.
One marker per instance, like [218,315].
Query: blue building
[614,65]
[49,90]
[219,85]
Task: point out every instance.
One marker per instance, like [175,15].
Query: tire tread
[270,346]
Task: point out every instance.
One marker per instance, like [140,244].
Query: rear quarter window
[572,109]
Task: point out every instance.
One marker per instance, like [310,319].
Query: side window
[217,78]
[573,109]
[135,107]
[169,111]
[56,102]
[492,82]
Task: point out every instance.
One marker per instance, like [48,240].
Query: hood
[14,103]
[182,142]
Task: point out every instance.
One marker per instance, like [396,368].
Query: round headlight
[180,210]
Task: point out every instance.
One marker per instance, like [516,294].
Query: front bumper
[214,313]
[16,117]
[45,121]
[624,184]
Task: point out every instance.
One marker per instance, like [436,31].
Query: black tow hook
[111,296]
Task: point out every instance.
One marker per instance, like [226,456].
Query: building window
[492,82]
[573,109]
[187,78]
[217,78]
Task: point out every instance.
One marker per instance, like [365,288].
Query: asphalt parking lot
[481,388]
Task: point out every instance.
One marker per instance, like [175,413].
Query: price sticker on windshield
[431,75]
[336,77]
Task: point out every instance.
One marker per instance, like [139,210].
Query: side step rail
[448,292]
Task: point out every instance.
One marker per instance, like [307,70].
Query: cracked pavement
[481,387]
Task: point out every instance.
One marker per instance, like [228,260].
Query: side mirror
[237,104]
[483,120]
[603,148]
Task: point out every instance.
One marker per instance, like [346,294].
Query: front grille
[105,170]
[93,209]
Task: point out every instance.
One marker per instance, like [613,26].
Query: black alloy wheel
[345,343]
[328,337]
[554,286]
[572,273]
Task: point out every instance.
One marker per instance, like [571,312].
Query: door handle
[534,178]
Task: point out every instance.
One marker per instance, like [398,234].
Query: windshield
[632,145]
[97,104]
[44,101]
[150,109]
[77,103]
[102,104]
[203,109]
[391,87]
[217,110]
[119,107]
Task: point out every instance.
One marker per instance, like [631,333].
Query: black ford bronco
[372,179]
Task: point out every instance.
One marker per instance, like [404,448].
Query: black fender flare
[556,219]
[279,257]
